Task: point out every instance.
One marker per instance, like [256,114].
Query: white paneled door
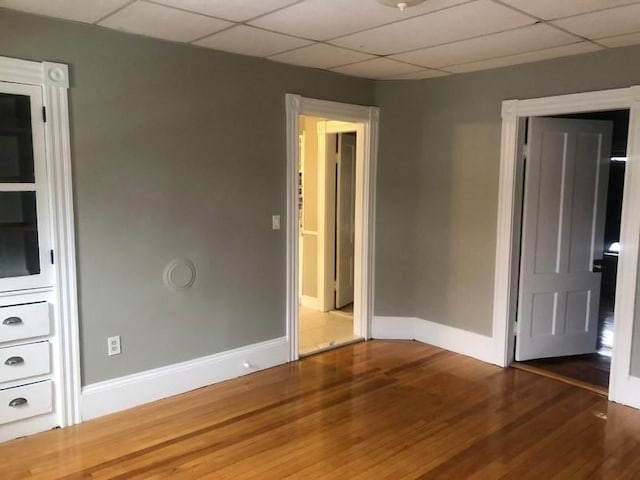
[345,218]
[566,175]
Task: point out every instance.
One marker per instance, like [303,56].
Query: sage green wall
[438,182]
[177,151]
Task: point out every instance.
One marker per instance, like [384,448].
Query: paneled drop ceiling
[366,39]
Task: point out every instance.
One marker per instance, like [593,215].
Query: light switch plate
[275,222]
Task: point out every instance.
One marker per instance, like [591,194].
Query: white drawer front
[25,401]
[24,361]
[24,321]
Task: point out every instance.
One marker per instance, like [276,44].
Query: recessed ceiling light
[401,5]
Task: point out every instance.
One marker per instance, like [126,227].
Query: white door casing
[623,387]
[328,133]
[366,119]
[53,81]
[566,174]
[345,219]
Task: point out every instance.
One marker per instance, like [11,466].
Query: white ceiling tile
[419,75]
[480,17]
[555,52]
[88,11]
[606,23]
[326,19]
[163,22]
[620,40]
[377,68]
[320,55]
[251,41]
[236,10]
[550,9]
[526,39]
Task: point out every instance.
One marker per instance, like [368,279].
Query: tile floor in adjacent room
[321,330]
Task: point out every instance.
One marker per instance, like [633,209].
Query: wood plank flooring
[374,410]
[591,371]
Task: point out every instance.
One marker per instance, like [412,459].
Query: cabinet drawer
[25,401]
[24,321]
[24,361]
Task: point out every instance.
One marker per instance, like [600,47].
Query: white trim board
[326,209]
[621,385]
[126,392]
[454,339]
[310,302]
[368,118]
[53,79]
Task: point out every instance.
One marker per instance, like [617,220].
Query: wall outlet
[113,345]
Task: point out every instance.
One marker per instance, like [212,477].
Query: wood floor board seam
[369,411]
[378,384]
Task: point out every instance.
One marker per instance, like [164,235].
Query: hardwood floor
[374,410]
[589,371]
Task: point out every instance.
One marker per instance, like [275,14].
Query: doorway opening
[572,182]
[326,233]
[330,254]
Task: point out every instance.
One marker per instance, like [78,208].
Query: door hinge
[525,151]
[44,114]
[51,256]
[516,328]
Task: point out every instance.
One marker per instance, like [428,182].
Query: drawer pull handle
[12,321]
[12,361]
[18,402]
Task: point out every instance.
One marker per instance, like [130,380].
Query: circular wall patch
[179,274]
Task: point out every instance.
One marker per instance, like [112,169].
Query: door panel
[547,180]
[562,235]
[345,219]
[25,241]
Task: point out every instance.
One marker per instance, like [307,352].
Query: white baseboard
[29,426]
[121,393]
[454,339]
[309,302]
[628,392]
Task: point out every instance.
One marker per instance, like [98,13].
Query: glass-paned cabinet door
[25,246]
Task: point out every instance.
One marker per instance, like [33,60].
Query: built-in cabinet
[39,373]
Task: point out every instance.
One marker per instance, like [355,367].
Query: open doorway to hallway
[326,233]
[572,183]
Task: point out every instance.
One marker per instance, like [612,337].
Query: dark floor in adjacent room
[592,369]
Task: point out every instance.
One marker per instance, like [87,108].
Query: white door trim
[53,78]
[621,383]
[297,105]
[325,210]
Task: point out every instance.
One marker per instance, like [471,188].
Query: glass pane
[16,148]
[18,235]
